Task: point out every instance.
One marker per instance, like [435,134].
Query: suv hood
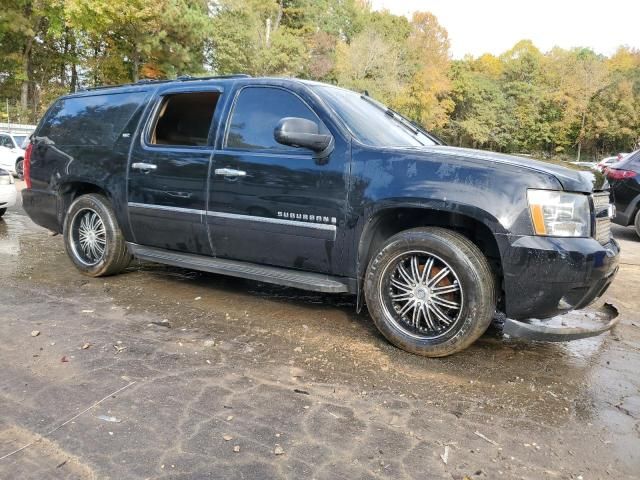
[573,178]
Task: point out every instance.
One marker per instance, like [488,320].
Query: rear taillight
[617,174]
[26,165]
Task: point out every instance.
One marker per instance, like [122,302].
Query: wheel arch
[71,190]
[390,220]
[627,216]
[635,216]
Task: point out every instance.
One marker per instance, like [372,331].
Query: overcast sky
[479,26]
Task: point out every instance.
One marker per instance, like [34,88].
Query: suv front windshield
[371,122]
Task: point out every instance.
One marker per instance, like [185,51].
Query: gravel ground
[168,373]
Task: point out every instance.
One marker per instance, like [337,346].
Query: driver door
[274,204]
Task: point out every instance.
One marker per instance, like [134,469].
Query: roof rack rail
[149,80]
[131,84]
[213,77]
[183,78]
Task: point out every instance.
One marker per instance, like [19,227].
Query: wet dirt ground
[224,378]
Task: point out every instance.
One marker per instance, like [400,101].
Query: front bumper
[571,326]
[548,276]
[8,195]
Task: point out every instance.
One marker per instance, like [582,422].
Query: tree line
[561,103]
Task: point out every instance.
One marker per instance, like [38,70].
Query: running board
[316,282]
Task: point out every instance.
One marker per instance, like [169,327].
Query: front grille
[603,222]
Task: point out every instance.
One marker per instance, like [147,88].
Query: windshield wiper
[408,124]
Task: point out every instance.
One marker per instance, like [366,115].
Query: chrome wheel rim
[89,237]
[20,169]
[422,294]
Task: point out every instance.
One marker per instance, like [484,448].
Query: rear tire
[637,223]
[430,291]
[20,168]
[2,211]
[92,238]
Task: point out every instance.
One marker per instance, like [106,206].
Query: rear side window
[184,119]
[256,115]
[90,121]
[5,141]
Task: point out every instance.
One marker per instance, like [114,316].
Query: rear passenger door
[168,171]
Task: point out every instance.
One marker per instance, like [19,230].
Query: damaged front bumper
[549,276]
[570,326]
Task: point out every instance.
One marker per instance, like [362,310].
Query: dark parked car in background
[624,178]
[316,187]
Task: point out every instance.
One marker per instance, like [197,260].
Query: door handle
[230,172]
[179,194]
[145,167]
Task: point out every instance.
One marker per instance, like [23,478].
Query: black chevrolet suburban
[312,186]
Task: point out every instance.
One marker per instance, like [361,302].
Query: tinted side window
[5,141]
[91,121]
[184,119]
[256,114]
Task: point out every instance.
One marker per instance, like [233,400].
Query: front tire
[92,238]
[2,211]
[430,291]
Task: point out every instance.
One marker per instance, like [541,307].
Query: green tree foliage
[29,49]
[376,59]
[569,103]
[426,97]
[124,38]
[564,103]
[479,117]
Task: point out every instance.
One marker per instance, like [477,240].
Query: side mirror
[300,132]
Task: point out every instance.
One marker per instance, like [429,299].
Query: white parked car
[7,191]
[12,152]
[591,165]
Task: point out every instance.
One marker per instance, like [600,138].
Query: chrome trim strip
[230,172]
[281,154]
[280,221]
[235,216]
[167,208]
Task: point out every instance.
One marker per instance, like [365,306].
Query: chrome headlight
[6,180]
[559,214]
